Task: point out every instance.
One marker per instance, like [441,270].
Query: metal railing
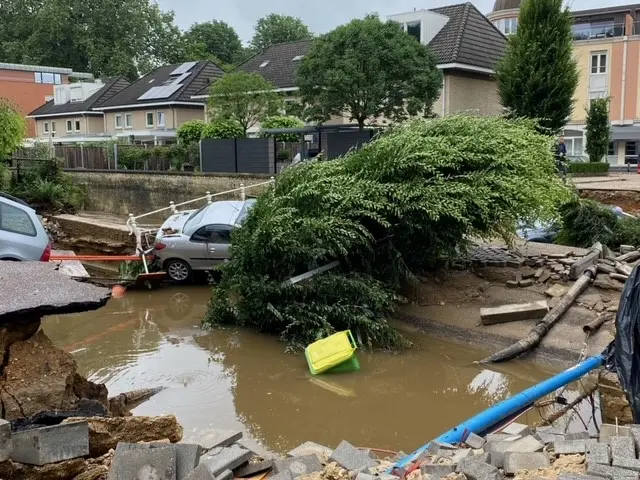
[587,31]
[132,221]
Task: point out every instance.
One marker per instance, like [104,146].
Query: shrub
[190,132]
[170,156]
[598,129]
[588,167]
[409,200]
[283,122]
[222,129]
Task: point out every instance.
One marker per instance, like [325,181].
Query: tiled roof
[110,88]
[202,74]
[468,38]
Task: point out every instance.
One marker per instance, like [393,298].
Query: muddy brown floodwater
[239,379]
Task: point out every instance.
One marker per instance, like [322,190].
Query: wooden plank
[73,268]
[514,312]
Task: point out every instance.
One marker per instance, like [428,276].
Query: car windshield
[245,210]
[195,218]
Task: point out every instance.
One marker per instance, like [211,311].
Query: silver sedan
[198,239]
[22,236]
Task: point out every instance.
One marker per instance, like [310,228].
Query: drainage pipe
[485,421]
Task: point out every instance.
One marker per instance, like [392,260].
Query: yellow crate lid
[329,352]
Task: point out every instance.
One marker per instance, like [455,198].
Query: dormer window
[265,63]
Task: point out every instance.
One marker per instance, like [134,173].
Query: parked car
[22,236]
[198,239]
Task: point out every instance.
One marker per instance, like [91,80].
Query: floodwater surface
[238,379]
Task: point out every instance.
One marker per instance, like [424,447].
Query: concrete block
[634,432]
[40,446]
[307,448]
[226,475]
[575,476]
[220,438]
[569,447]
[613,473]
[200,473]
[514,312]
[577,436]
[299,466]
[475,470]
[545,437]
[253,468]
[526,283]
[187,454]
[475,441]
[156,463]
[627,463]
[349,457]
[556,291]
[5,440]
[220,459]
[502,437]
[461,455]
[526,444]
[599,453]
[622,447]
[515,461]
[437,471]
[517,429]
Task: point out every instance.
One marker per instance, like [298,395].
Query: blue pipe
[494,415]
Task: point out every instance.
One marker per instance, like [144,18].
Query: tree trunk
[535,336]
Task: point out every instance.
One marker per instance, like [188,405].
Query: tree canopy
[598,129]
[218,38]
[12,129]
[368,68]
[538,76]
[246,98]
[275,28]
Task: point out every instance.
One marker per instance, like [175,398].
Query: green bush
[173,156]
[283,122]
[190,132]
[589,167]
[411,199]
[222,129]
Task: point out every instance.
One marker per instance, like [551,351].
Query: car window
[200,235]
[15,220]
[213,234]
[195,218]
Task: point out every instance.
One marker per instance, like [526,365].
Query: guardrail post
[243,194]
[132,222]
[272,180]
[115,156]
[172,205]
[209,198]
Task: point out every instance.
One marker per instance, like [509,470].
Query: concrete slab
[475,441]
[622,447]
[201,472]
[40,446]
[187,454]
[627,463]
[5,440]
[220,459]
[514,312]
[516,461]
[613,473]
[475,470]
[438,471]
[599,453]
[225,475]
[253,468]
[220,438]
[517,429]
[577,436]
[569,447]
[308,448]
[299,466]
[150,463]
[349,457]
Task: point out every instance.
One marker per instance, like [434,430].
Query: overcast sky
[320,15]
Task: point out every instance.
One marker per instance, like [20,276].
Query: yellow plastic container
[329,352]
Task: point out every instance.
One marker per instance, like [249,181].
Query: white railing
[132,222]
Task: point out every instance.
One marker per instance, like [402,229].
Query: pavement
[615,181]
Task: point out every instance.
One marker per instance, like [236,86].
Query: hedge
[588,167]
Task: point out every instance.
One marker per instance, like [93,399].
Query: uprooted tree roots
[408,201]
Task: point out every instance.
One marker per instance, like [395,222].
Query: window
[213,234]
[118,120]
[128,120]
[414,29]
[46,127]
[57,79]
[51,78]
[598,63]
[149,119]
[510,26]
[265,63]
[611,150]
[161,119]
[15,220]
[69,125]
[630,149]
[38,77]
[48,78]
[77,125]
[53,127]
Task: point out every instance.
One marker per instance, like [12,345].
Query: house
[607,50]
[69,116]
[27,86]
[152,108]
[466,44]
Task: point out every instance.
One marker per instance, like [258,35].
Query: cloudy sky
[320,15]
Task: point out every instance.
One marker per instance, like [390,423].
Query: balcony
[589,31]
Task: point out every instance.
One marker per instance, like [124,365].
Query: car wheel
[178,271]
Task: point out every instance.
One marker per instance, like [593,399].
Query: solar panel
[184,68]
[160,92]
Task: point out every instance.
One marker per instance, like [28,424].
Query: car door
[218,242]
[196,250]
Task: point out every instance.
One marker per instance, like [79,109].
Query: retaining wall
[121,193]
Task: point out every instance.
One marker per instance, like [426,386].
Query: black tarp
[623,355]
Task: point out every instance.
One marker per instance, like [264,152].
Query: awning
[628,133]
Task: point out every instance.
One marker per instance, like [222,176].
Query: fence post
[200,151]
[209,198]
[173,207]
[115,156]
[243,193]
[272,180]
[81,155]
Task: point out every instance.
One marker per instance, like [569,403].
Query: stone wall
[121,193]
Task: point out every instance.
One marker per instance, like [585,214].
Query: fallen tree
[408,201]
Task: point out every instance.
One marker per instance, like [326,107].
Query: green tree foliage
[407,201]
[246,98]
[218,38]
[191,132]
[369,68]
[538,76]
[223,128]
[104,37]
[283,122]
[276,28]
[12,129]
[598,129]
